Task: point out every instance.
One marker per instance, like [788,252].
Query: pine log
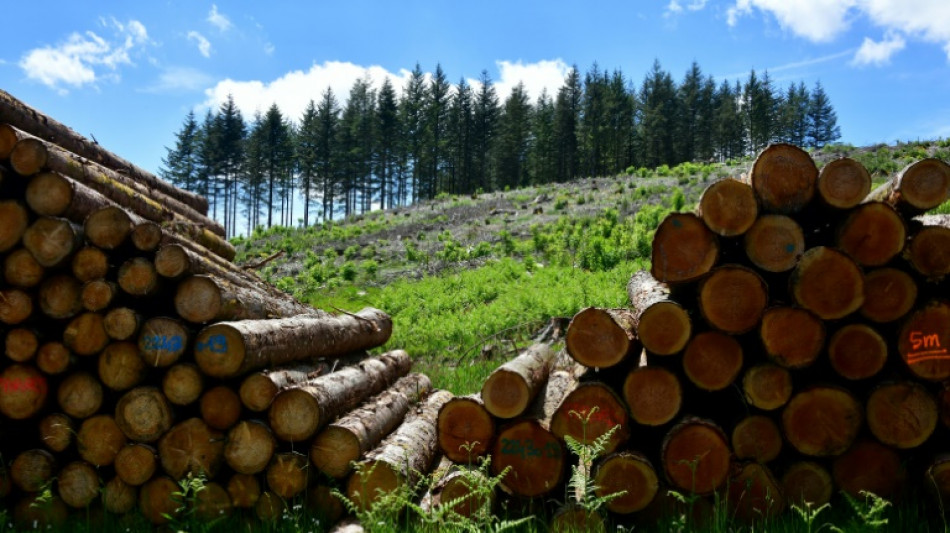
[158,502]
[902,414]
[53,358]
[109,227]
[653,395]
[213,503]
[183,384]
[535,455]
[14,220]
[24,391]
[90,263]
[147,236]
[732,298]
[843,183]
[872,234]
[118,497]
[191,447]
[230,349]
[136,463]
[696,456]
[258,390]
[774,243]
[40,511]
[27,119]
[919,187]
[99,440]
[754,494]
[201,299]
[8,138]
[244,490]
[459,489]
[792,337]
[220,407]
[466,429]
[869,466]
[728,207]
[15,306]
[510,388]
[807,482]
[822,420]
[32,470]
[663,325]
[97,295]
[54,195]
[143,414]
[52,240]
[758,438]
[784,178]
[590,411]
[889,294]
[857,351]
[827,283]
[56,431]
[120,366]
[927,251]
[572,517]
[249,447]
[924,340]
[137,277]
[121,323]
[60,296]
[400,459]
[287,474]
[767,386]
[176,259]
[630,473]
[299,412]
[712,360]
[86,334]
[21,270]
[601,338]
[346,440]
[80,395]
[78,484]
[162,341]
[684,249]
[20,344]
[269,507]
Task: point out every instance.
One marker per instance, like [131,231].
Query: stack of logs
[792,340]
[136,354]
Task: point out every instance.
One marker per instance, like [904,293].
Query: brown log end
[696,456]
[143,414]
[460,487]
[120,366]
[728,207]
[78,484]
[162,341]
[198,299]
[146,236]
[86,334]
[137,277]
[889,294]
[827,283]
[48,194]
[929,252]
[89,264]
[601,338]
[294,415]
[52,240]
[857,351]
[220,407]
[99,440]
[21,270]
[182,384]
[466,430]
[333,450]
[873,234]
[158,502]
[370,481]
[108,228]
[505,393]
[32,470]
[684,249]
[925,184]
[774,243]
[590,411]
[244,490]
[767,386]
[570,518]
[287,474]
[653,395]
[822,421]
[257,392]
[754,493]
[784,178]
[96,295]
[269,507]
[136,463]
[843,183]
[37,511]
[191,447]
[924,340]
[807,482]
[758,438]
[56,431]
[250,446]
[15,306]
[213,503]
[21,344]
[536,457]
[79,395]
[630,473]
[712,360]
[902,414]
[732,298]
[797,350]
[869,466]
[219,349]
[60,296]
[53,358]
[664,328]
[118,497]
[28,156]
[171,261]
[938,478]
[121,323]
[14,219]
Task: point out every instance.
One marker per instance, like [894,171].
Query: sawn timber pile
[136,354]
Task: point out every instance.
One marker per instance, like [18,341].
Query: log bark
[60,296]
[258,390]
[299,412]
[287,474]
[728,207]
[872,234]
[400,459]
[631,473]
[590,411]
[767,386]
[857,351]
[249,447]
[774,243]
[822,421]
[663,325]
[784,178]
[191,447]
[118,497]
[792,337]
[230,349]
[889,294]
[53,358]
[136,463]
[919,187]
[359,431]
[927,251]
[56,432]
[20,344]
[98,295]
[15,306]
[201,299]
[902,414]
[712,360]
[220,407]
[183,384]
[684,249]
[120,366]
[157,500]
[143,414]
[843,183]
[21,269]
[137,277]
[754,494]
[99,440]
[807,482]
[602,338]
[32,470]
[732,298]
[653,395]
[510,388]
[162,341]
[466,429]
[827,283]
[121,323]
[78,484]
[244,490]
[924,339]
[52,240]
[89,264]
[872,467]
[80,395]
[54,195]
[14,219]
[86,334]
[696,456]
[757,438]
[24,391]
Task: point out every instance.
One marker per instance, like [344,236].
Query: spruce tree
[514,139]
[485,118]
[328,118]
[567,114]
[461,139]
[306,151]
[822,119]
[387,147]
[180,166]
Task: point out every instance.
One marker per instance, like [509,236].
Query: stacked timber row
[135,354]
[791,341]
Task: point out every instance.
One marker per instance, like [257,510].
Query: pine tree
[277,155]
[254,165]
[793,115]
[307,156]
[387,147]
[658,108]
[230,150]
[594,122]
[181,164]
[327,150]
[760,107]
[621,124]
[690,106]
[730,131]
[822,119]
[412,118]
[436,138]
[484,129]
[567,113]
[514,139]
[461,139]
[542,157]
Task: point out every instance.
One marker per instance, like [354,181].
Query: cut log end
[929,252]
[924,184]
[857,351]
[219,350]
[21,270]
[182,384]
[80,395]
[589,412]
[873,234]
[333,450]
[754,494]
[108,228]
[728,207]
[784,178]
[684,249]
[869,466]
[792,351]
[653,395]
[373,479]
[924,341]
[24,391]
[136,463]
[664,328]
[89,264]
[14,220]
[294,415]
[843,183]
[827,283]
[807,482]
[889,294]
[52,240]
[631,474]
[536,457]
[162,341]
[767,386]
[191,447]
[733,298]
[57,431]
[822,421]
[601,338]
[466,430]
[903,414]
[506,394]
[696,456]
[712,360]
[757,438]
[78,484]
[774,243]
[198,299]
[143,414]
[250,446]
[28,156]
[137,277]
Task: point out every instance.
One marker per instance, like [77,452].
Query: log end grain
[250,446]
[505,393]
[333,451]
[171,261]
[601,338]
[120,366]
[929,252]
[628,472]
[792,351]
[78,484]
[14,220]
[774,243]
[287,474]
[182,384]
[373,479]
[869,466]
[696,456]
[191,447]
[99,440]
[843,183]
[48,194]
[108,227]
[56,431]
[664,328]
[822,421]
[784,178]
[757,438]
[466,430]
[137,277]
[219,349]
[294,415]
[86,334]
[732,299]
[198,299]
[21,270]
[728,207]
[536,457]
[589,412]
[15,306]
[24,390]
[136,463]
[754,494]
[653,395]
[712,360]
[857,351]
[828,283]
[158,502]
[29,156]
[89,264]
[902,414]
[143,414]
[244,490]
[684,249]
[60,296]
[220,407]
[889,294]
[924,184]
[767,386]
[807,482]
[924,341]
[873,234]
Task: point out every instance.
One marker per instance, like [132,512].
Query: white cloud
[218,20]
[180,79]
[85,58]
[815,20]
[878,53]
[675,7]
[536,77]
[204,45]
[269,48]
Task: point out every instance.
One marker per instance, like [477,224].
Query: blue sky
[128,72]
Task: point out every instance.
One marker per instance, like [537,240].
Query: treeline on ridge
[383,148]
